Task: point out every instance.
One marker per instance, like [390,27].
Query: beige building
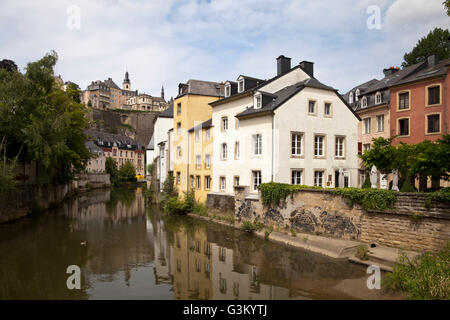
[146,102]
[97,162]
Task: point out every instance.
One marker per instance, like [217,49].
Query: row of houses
[292,128]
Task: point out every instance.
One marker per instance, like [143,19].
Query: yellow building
[191,108]
[200,159]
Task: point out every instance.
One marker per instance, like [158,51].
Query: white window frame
[198,161]
[317,177]
[258,101]
[380,116]
[296,176]
[257,144]
[350,97]
[295,142]
[237,150]
[241,85]
[339,147]
[223,151]
[256,179]
[367,125]
[222,183]
[198,182]
[319,145]
[227,90]
[364,102]
[208,161]
[178,152]
[207,182]
[224,124]
[378,98]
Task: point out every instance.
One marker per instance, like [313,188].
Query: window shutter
[359,147]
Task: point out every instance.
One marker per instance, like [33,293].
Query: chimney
[389,71]
[432,60]
[308,67]
[283,65]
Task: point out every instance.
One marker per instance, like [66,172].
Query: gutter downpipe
[445,103]
[187,165]
[273,146]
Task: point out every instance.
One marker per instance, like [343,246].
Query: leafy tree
[436,42]
[446,4]
[8,65]
[381,154]
[74,92]
[111,168]
[127,173]
[168,188]
[41,123]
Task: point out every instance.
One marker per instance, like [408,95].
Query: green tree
[446,4]
[381,154]
[41,123]
[111,168]
[127,173]
[436,42]
[74,92]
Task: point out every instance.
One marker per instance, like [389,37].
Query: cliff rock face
[136,125]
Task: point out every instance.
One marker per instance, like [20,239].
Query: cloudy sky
[164,42]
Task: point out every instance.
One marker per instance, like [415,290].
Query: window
[350,97]
[178,152]
[434,96]
[311,107]
[327,109]
[367,125]
[433,123]
[198,180]
[179,108]
[364,102]
[236,180]
[178,177]
[224,124]
[378,98]
[403,127]
[208,161]
[208,134]
[227,91]
[207,182]
[197,135]
[198,161]
[241,85]
[319,146]
[403,100]
[224,151]
[256,180]
[357,94]
[258,102]
[296,177]
[257,144]
[237,152]
[179,128]
[223,183]
[366,146]
[318,178]
[340,144]
[380,123]
[191,179]
[296,144]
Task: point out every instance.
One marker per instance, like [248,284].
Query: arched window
[357,94]
[364,102]
[350,97]
[378,98]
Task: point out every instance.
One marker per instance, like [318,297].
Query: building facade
[121,148]
[97,163]
[146,102]
[191,108]
[287,129]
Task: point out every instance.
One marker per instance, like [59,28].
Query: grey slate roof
[207,88]
[93,148]
[283,95]
[110,83]
[108,140]
[204,125]
[425,72]
[151,144]
[168,113]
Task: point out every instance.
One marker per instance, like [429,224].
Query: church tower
[126,82]
[162,92]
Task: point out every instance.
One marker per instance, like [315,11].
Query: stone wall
[408,226]
[26,197]
[220,203]
[93,180]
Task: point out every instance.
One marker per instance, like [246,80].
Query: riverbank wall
[409,225]
[34,198]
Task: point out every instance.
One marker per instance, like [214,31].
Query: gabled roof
[110,83]
[200,87]
[426,72]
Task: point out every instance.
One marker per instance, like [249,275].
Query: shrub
[273,193]
[267,232]
[442,195]
[366,184]
[127,173]
[189,200]
[247,226]
[362,252]
[369,199]
[168,188]
[293,233]
[427,276]
[175,206]
[200,209]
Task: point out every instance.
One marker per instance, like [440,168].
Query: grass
[362,252]
[424,277]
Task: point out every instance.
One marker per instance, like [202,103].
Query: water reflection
[127,252]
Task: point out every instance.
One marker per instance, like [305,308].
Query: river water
[128,251]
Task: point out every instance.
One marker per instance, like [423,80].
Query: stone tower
[126,82]
[162,92]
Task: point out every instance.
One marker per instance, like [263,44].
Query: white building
[289,129]
[159,146]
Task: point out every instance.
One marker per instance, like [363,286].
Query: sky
[165,42]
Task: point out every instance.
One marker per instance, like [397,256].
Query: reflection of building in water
[192,265]
[233,281]
[163,266]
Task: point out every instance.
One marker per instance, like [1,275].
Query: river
[128,251]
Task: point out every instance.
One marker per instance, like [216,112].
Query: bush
[442,195]
[273,193]
[366,184]
[189,200]
[425,277]
[200,209]
[406,186]
[175,206]
[247,226]
[369,199]
[127,173]
[168,188]
[362,252]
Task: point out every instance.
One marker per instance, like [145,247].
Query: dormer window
[258,102]
[227,91]
[241,85]
[378,98]
[357,94]
[364,102]
[350,97]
